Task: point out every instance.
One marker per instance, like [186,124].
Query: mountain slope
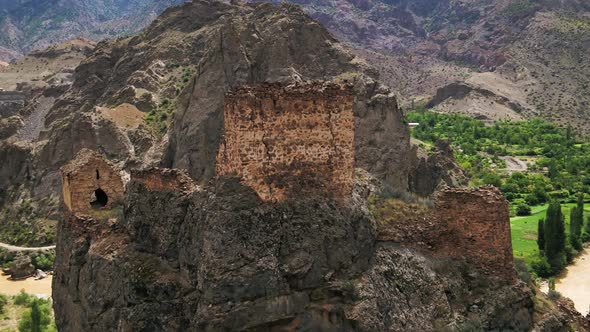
[26,25]
[536,52]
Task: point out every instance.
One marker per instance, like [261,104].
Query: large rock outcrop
[436,171]
[218,258]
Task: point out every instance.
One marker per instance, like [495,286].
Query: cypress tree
[575,227]
[577,223]
[554,235]
[35,316]
[541,234]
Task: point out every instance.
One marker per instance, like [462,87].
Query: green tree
[37,318]
[541,234]
[523,210]
[492,179]
[552,172]
[576,223]
[555,236]
[3,302]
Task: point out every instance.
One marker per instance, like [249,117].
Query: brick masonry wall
[476,227]
[80,180]
[471,225]
[285,141]
[160,179]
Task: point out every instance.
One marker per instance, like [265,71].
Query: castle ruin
[288,140]
[474,225]
[91,182]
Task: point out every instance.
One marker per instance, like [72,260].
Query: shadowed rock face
[432,173]
[221,259]
[224,263]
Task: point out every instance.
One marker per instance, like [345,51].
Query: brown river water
[574,282]
[40,288]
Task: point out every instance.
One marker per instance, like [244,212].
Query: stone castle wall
[86,173]
[160,179]
[290,140]
[471,225]
[476,227]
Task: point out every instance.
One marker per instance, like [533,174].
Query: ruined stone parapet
[288,140]
[470,225]
[475,226]
[159,179]
[90,181]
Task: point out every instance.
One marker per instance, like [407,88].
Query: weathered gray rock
[433,172]
[9,126]
[21,267]
[219,259]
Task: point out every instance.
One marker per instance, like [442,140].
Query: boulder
[21,267]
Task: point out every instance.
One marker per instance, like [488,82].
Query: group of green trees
[555,249]
[37,318]
[558,172]
[558,162]
[38,315]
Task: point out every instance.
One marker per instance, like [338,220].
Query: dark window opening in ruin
[97,175]
[99,199]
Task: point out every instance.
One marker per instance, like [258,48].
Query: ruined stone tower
[289,140]
[89,181]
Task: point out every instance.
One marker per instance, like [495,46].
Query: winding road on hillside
[10,247]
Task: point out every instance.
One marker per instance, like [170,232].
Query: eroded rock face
[21,267]
[218,258]
[221,47]
[433,172]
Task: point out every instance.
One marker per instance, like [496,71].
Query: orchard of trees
[558,162]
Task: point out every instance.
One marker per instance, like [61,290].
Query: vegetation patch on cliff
[160,117]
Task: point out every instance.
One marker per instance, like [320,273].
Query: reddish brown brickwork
[285,141]
[472,225]
[159,179]
[476,224]
[89,181]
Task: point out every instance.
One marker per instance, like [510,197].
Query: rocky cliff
[218,258]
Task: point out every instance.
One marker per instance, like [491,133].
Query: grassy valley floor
[524,230]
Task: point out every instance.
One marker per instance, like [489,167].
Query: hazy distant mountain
[515,58]
[26,25]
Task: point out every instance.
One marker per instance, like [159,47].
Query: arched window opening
[99,199]
[97,175]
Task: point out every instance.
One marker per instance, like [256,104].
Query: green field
[524,230]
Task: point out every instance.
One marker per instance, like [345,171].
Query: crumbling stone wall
[471,225]
[287,140]
[159,179]
[476,227]
[86,173]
